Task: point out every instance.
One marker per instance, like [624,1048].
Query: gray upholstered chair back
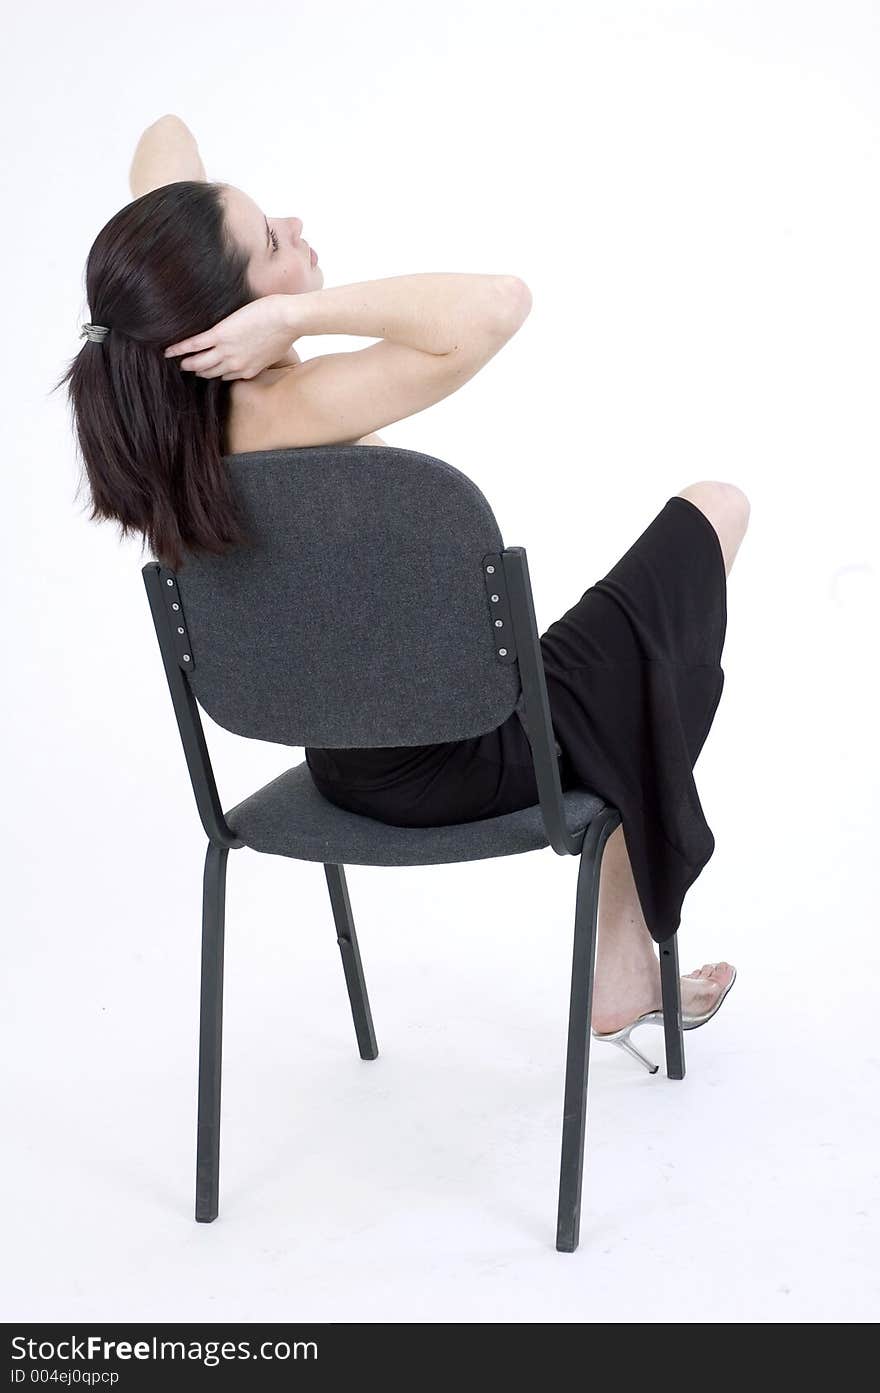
[360,615]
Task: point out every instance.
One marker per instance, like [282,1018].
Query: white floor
[423,1185]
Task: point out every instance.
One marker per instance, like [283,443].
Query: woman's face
[279,259]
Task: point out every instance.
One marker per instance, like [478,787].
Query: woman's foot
[624,994]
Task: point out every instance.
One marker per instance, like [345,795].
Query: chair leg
[574,1118]
[671,989]
[210,1034]
[351,961]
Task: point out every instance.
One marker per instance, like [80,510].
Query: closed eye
[274,235]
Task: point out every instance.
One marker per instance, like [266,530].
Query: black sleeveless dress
[634,679]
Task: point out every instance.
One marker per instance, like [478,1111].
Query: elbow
[516,303]
[503,304]
[520,290]
[168,121]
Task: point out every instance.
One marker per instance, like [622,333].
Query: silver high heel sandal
[622,1040]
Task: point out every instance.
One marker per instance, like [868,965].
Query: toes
[712,972]
[722,975]
[707,976]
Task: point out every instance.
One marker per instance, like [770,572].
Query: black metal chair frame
[516,592]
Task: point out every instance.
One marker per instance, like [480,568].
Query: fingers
[208,364]
[202,354]
[193,345]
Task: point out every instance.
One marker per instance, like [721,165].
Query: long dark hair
[151,435]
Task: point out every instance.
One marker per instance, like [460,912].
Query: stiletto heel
[625,1043]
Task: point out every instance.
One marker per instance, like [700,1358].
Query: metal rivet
[179,629]
[503,652]
[499,623]
[493,597]
[186,657]
[175,605]
[169,582]
[490,570]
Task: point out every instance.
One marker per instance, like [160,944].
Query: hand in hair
[242,344]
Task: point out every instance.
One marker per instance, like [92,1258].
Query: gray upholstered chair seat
[289,817]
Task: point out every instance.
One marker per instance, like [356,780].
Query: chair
[375,605]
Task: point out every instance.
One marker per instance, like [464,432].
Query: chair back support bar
[537,704]
[161,587]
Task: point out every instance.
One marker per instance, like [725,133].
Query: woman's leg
[627,981]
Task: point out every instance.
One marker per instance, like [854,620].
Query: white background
[691,192]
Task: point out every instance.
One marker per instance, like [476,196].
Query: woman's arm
[435,311]
[167,151]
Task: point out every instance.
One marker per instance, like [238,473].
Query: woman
[633,668]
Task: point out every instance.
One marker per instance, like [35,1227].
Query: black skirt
[634,679]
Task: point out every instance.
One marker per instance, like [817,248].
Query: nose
[297,226]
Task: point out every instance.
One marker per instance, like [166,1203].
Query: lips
[313,256]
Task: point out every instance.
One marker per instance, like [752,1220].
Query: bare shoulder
[251,424]
[343,398]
